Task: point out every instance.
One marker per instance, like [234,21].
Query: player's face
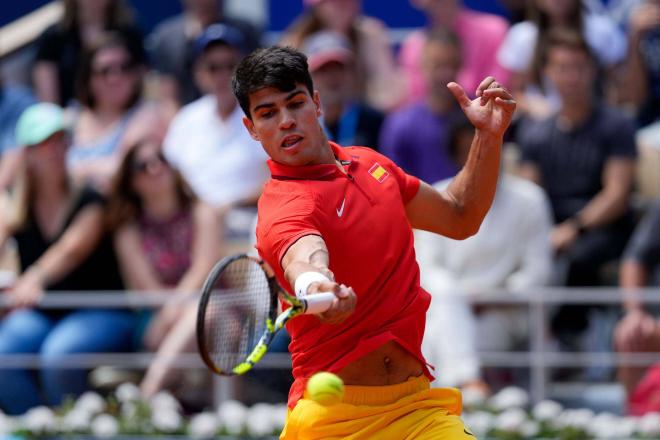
[286,124]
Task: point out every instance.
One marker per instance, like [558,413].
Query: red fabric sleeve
[408,184]
[283,219]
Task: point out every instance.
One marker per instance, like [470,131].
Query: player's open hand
[491,111]
[343,305]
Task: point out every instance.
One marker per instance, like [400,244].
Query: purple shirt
[416,139]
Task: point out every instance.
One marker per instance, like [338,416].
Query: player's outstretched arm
[306,268]
[458,211]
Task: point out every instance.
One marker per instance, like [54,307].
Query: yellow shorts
[406,411]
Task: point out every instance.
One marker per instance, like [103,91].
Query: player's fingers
[487,82]
[459,94]
[496,92]
[508,104]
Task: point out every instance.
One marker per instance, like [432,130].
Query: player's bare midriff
[389,364]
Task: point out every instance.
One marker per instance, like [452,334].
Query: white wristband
[305,279]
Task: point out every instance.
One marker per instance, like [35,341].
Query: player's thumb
[459,94]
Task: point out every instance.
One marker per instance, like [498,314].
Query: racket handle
[318,303]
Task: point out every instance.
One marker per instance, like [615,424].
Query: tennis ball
[325,388]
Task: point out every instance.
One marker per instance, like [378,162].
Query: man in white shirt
[511,251]
[207,141]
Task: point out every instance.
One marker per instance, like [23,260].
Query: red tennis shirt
[361,217]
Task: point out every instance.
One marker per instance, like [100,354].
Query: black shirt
[572,162]
[99,271]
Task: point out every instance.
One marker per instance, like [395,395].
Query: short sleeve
[621,136]
[408,184]
[283,219]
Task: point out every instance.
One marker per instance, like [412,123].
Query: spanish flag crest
[378,172]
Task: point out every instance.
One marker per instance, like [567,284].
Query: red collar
[310,172]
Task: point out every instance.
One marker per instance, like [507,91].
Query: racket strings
[237,312]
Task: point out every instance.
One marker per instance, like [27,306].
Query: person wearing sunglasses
[58,228]
[165,238]
[112,115]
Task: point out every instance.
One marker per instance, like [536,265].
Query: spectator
[520,50]
[378,81]
[165,239]
[511,251]
[639,330]
[172,47]
[480,36]
[207,141]
[347,119]
[112,117]
[584,157]
[58,228]
[13,101]
[60,47]
[415,137]
[643,82]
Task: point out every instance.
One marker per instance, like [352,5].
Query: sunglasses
[142,166]
[114,69]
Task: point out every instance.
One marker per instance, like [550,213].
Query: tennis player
[340,219]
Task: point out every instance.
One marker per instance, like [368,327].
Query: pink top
[168,245]
[480,35]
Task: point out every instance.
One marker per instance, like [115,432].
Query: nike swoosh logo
[340,211]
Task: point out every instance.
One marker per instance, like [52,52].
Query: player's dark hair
[278,67]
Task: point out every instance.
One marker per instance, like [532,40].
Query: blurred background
[126,173]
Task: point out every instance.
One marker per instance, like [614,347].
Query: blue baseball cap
[220,33]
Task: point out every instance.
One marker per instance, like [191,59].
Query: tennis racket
[237,317]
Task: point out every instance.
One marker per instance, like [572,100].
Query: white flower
[127,392]
[164,401]
[473,397]
[574,418]
[168,420]
[649,425]
[39,419]
[278,416]
[204,425]
[547,410]
[6,425]
[605,425]
[480,422]
[509,397]
[259,421]
[129,410]
[76,420]
[232,415]
[511,420]
[529,429]
[105,426]
[91,402]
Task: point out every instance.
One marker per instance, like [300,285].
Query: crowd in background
[118,168]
